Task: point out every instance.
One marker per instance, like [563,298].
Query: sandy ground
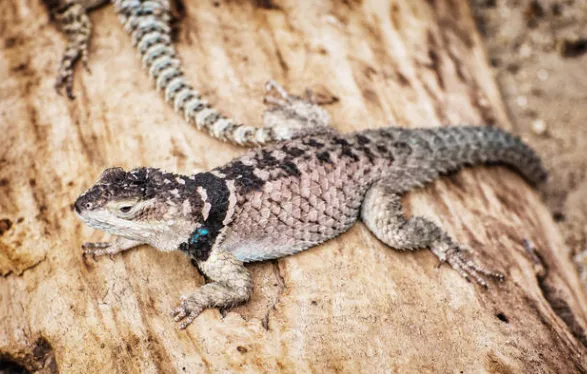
[538,50]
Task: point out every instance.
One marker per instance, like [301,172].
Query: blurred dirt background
[538,52]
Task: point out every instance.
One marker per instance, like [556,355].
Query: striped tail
[148,22]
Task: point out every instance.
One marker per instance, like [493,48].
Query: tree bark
[350,305]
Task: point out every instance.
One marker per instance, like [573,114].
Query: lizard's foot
[108,248]
[467,268]
[292,116]
[383,214]
[231,285]
[76,25]
[318,95]
[187,311]
[95,249]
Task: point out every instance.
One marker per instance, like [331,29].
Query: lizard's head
[142,204]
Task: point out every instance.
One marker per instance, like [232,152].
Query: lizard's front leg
[230,285]
[119,244]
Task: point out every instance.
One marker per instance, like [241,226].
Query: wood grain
[350,305]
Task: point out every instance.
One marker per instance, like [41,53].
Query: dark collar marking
[200,242]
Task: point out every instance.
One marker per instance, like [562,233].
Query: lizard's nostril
[77,206]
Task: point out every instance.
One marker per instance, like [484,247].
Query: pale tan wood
[351,305]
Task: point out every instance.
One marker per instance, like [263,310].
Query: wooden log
[350,305]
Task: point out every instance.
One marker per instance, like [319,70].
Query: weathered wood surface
[351,305]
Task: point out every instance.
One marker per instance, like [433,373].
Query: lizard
[289,196]
[149,24]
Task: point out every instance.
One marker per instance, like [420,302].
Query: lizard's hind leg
[382,213]
[291,116]
[74,22]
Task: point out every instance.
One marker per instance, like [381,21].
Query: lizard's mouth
[101,220]
[83,216]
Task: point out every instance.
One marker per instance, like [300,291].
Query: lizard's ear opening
[112,176]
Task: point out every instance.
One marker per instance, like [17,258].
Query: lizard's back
[299,193]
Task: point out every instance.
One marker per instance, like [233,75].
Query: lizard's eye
[124,209]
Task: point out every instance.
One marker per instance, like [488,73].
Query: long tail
[423,154]
[148,22]
[454,147]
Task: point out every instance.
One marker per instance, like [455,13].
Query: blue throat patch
[199,234]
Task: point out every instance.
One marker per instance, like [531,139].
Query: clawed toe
[85,63]
[469,269]
[65,75]
[272,85]
[94,249]
[87,254]
[274,101]
[65,81]
[179,313]
[96,245]
[186,312]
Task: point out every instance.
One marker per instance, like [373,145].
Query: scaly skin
[277,200]
[148,23]
[284,198]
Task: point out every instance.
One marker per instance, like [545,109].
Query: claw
[85,255]
[67,82]
[69,89]
[483,270]
[319,95]
[179,314]
[466,267]
[189,319]
[272,85]
[96,245]
[498,276]
[95,249]
[186,313]
[85,62]
[274,101]
[284,97]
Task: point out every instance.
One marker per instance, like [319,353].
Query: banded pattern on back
[294,195]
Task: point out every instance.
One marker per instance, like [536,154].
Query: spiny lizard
[149,23]
[287,197]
